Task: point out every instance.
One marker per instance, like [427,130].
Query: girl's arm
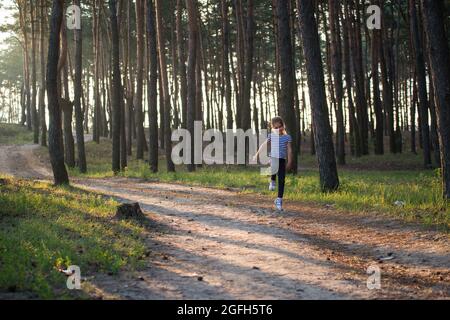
[255,158]
[290,157]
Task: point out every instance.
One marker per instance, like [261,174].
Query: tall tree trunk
[124,73]
[336,62]
[387,88]
[433,128]
[23,11]
[276,82]
[198,82]
[34,113]
[116,86]
[181,62]
[66,104]
[413,116]
[43,124]
[191,71]
[322,130]
[439,54]
[225,62]
[87,105]
[422,83]
[361,102]
[396,87]
[161,107]
[23,118]
[249,48]
[105,80]
[56,148]
[240,63]
[165,87]
[78,91]
[97,101]
[152,88]
[69,143]
[139,79]
[355,137]
[292,26]
[379,131]
[203,65]
[287,78]
[130,84]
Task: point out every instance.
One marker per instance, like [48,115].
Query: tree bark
[198,81]
[34,113]
[439,54]
[181,63]
[27,117]
[387,88]
[240,61]
[97,101]
[66,104]
[225,62]
[130,85]
[361,102]
[433,128]
[336,62]
[379,130]
[421,81]
[124,58]
[165,87]
[56,148]
[43,124]
[152,88]
[329,180]
[287,78]
[355,137]
[140,139]
[117,98]
[249,48]
[191,83]
[78,91]
[413,116]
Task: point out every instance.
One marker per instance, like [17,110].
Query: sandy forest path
[218,244]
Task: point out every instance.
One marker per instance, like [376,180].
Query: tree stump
[130,211]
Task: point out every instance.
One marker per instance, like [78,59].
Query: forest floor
[209,243]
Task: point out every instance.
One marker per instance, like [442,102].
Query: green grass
[400,162]
[13,134]
[43,228]
[364,189]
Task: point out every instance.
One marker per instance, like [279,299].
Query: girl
[280,144]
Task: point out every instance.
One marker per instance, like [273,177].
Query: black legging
[281,177]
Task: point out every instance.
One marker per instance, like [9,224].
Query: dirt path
[21,161]
[215,244]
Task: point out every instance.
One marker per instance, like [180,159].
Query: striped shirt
[279,145]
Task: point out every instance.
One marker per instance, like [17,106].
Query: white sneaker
[272,186]
[279,204]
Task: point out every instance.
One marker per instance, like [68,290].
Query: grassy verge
[43,228]
[416,192]
[13,134]
[401,162]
